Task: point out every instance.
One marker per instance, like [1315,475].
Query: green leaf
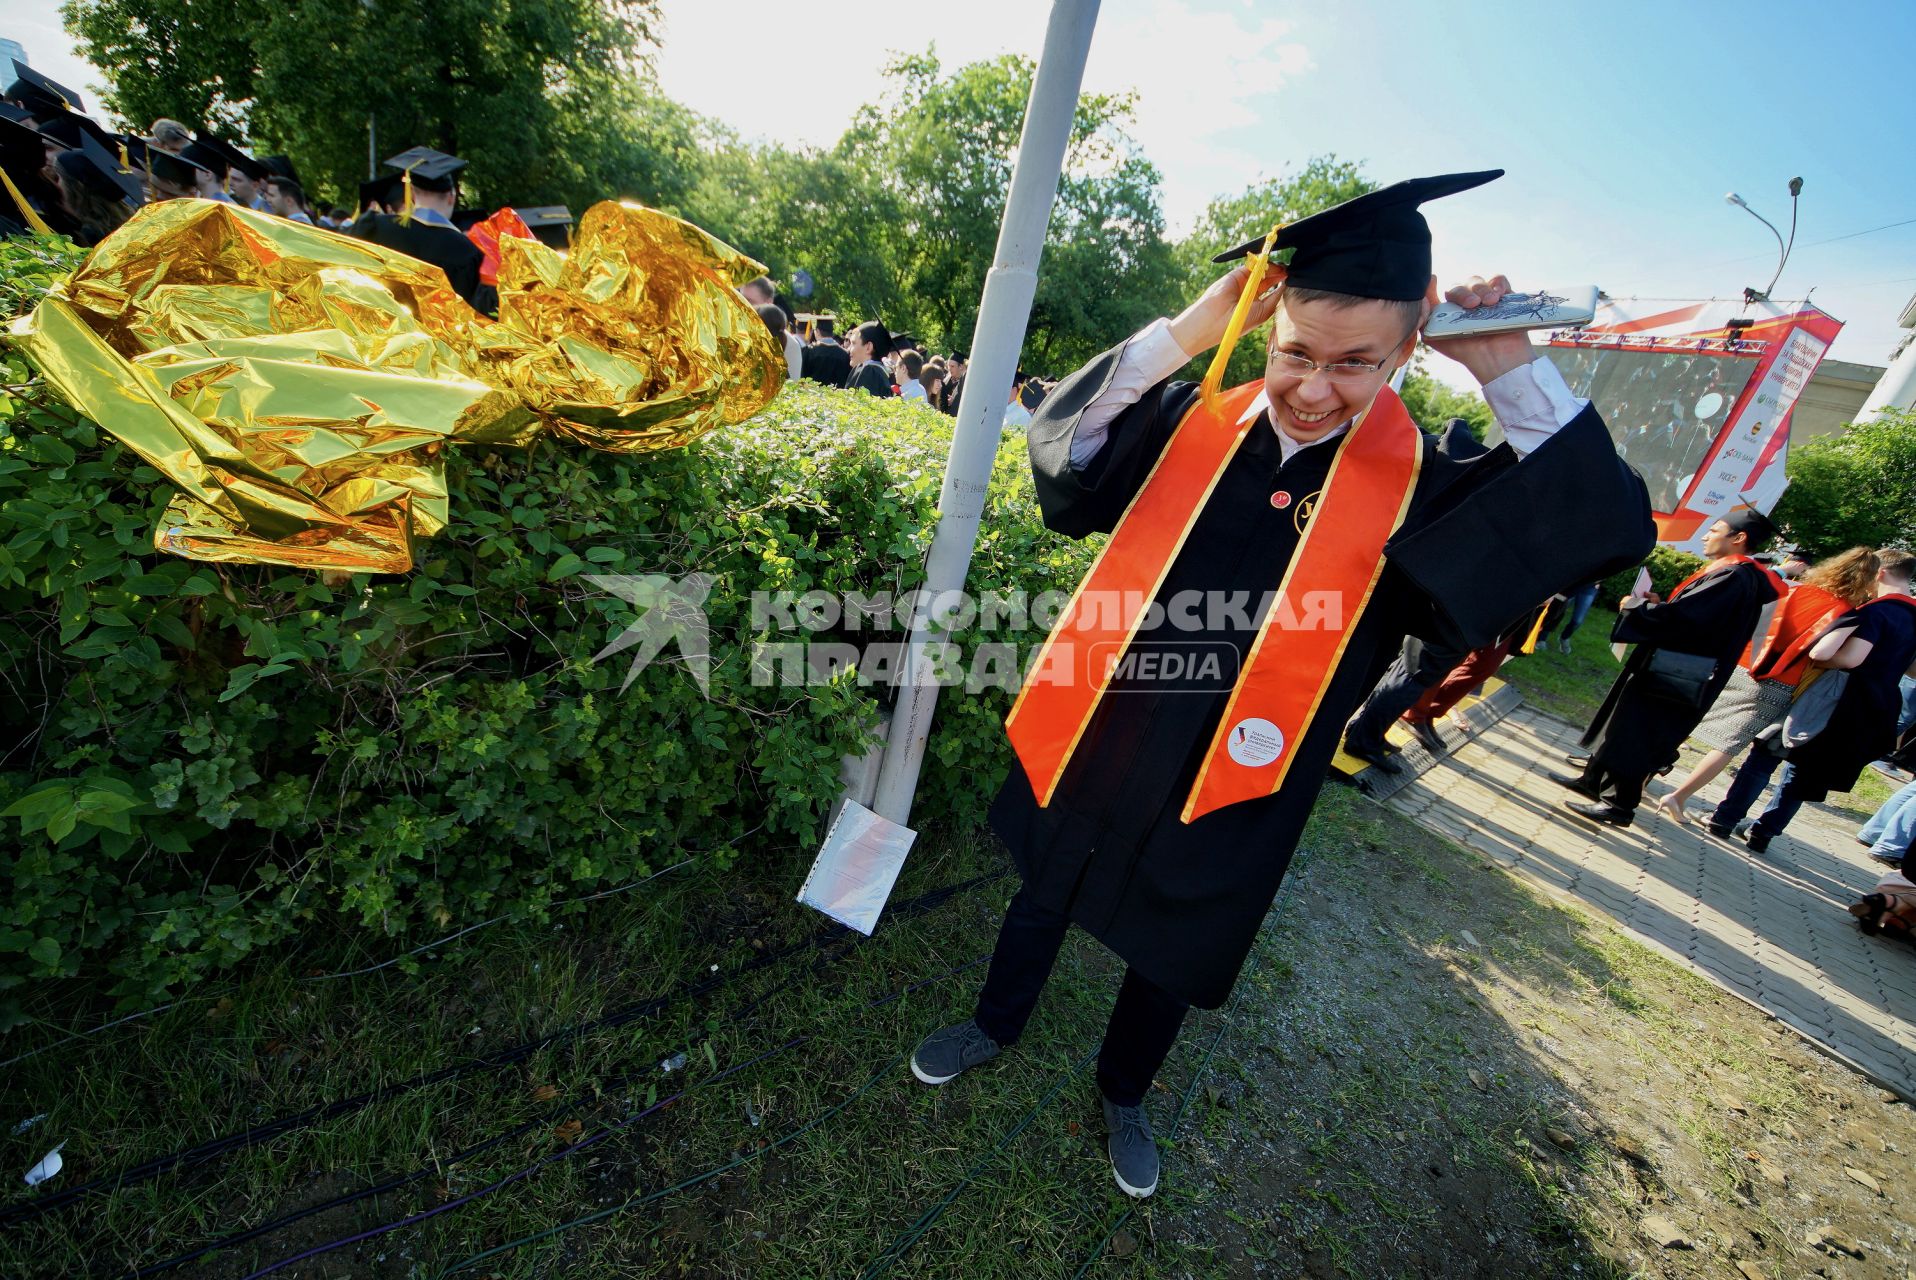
[565,566]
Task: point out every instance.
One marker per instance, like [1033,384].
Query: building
[1830,402]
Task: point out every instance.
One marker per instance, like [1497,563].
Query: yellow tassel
[1530,641]
[405,208]
[125,163]
[27,211]
[1214,376]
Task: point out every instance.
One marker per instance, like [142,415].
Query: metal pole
[1002,314]
[372,146]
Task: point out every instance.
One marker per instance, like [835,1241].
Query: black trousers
[1415,670]
[1144,1021]
[1625,791]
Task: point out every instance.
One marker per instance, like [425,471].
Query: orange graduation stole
[1795,626]
[1287,670]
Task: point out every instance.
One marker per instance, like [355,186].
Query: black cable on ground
[600,1135]
[544,1118]
[912,1234]
[27,1210]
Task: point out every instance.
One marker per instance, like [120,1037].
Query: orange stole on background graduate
[1287,670]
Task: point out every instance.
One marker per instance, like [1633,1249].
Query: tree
[1432,404]
[942,149]
[1856,489]
[548,99]
[1231,220]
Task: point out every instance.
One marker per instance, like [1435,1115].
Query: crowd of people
[870,358]
[68,174]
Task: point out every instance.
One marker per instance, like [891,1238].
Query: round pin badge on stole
[1280,499]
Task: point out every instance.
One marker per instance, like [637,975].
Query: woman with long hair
[1759,691]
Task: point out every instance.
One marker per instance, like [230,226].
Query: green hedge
[201,760]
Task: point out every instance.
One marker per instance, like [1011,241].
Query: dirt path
[1438,1073]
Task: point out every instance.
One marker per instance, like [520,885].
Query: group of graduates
[872,359]
[67,174]
[1810,678]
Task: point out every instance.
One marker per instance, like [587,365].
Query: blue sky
[1622,124]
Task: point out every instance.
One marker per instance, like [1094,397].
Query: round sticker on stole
[1255,742]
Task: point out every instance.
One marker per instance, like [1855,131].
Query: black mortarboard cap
[67,128]
[545,215]
[101,171]
[1748,520]
[383,190]
[1374,246]
[431,170]
[30,86]
[18,115]
[178,170]
[22,154]
[281,166]
[234,157]
[207,156]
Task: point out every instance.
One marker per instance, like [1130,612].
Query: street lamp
[1783,250]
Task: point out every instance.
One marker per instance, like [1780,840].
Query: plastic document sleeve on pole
[852,877]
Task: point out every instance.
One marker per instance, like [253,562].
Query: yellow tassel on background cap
[1214,376]
[125,163]
[34,220]
[405,208]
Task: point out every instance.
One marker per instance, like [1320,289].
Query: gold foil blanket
[300,387]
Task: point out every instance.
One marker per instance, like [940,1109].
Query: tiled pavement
[1769,928]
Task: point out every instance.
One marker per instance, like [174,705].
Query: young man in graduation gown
[1160,816]
[428,233]
[1644,719]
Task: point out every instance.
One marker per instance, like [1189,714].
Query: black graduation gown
[1181,903]
[1637,733]
[443,247]
[868,377]
[825,363]
[1862,725]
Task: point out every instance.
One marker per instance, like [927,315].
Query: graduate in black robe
[1641,725]
[429,234]
[1485,539]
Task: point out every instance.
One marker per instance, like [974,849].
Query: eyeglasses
[1297,366]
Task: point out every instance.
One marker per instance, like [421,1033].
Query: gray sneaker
[1134,1153]
[947,1053]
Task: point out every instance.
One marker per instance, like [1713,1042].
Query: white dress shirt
[1530,403]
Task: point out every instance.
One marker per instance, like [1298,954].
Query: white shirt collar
[1286,446]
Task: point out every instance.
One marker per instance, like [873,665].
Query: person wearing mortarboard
[209,177]
[40,95]
[865,350]
[174,177]
[29,163]
[1161,821]
[424,227]
[245,176]
[825,361]
[96,190]
[1646,716]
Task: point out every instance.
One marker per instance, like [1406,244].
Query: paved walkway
[1771,929]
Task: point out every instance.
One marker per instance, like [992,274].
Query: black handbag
[1679,677]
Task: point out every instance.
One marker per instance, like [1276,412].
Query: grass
[1570,685]
[1330,1124]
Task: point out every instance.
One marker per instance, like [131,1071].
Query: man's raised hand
[1200,326]
[1487,356]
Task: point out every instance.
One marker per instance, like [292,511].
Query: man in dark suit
[429,233]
